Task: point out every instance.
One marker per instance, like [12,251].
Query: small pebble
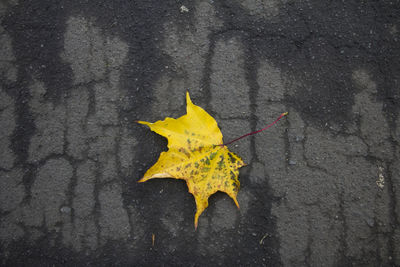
[370,222]
[184,9]
[65,209]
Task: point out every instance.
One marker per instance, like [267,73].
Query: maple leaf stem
[248,134]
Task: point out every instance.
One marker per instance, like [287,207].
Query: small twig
[262,239]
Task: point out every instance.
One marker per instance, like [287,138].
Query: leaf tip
[237,203]
[284,114]
[196,220]
[188,100]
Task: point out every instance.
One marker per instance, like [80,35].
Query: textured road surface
[322,188]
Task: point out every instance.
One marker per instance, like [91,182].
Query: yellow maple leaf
[196,155]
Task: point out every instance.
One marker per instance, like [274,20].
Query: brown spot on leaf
[184,151]
[205,169]
[232,158]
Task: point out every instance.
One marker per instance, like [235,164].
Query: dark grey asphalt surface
[322,188]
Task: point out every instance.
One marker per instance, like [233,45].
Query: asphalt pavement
[321,188]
